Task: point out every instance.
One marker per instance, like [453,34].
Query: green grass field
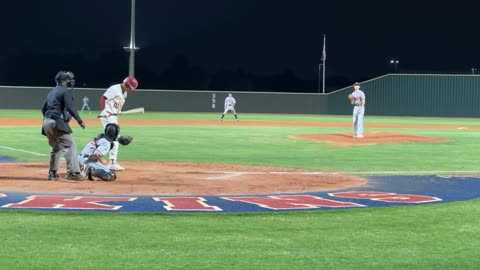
[438,236]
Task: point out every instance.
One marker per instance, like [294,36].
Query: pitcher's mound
[178,178]
[345,139]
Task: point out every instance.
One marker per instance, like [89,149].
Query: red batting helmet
[131,82]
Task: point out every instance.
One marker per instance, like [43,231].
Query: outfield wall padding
[388,95]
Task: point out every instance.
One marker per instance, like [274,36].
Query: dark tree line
[30,68]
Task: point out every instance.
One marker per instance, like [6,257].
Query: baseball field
[441,235]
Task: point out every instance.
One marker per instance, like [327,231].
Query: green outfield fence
[388,95]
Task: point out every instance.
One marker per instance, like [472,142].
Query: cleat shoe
[360,136]
[74,176]
[52,175]
[115,167]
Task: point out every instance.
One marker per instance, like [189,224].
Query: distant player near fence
[86,102]
[230,103]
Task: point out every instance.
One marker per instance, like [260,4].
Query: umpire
[57,111]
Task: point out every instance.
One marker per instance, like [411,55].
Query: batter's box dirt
[182,178]
[346,139]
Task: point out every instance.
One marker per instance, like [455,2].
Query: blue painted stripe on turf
[7,159]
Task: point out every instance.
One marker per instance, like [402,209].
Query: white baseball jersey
[115,99]
[230,102]
[358,96]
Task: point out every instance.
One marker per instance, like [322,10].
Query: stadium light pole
[132,48]
[395,63]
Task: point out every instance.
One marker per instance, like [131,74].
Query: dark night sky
[260,36]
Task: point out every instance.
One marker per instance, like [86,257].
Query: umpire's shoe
[52,175]
[74,176]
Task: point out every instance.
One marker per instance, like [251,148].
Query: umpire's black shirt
[59,106]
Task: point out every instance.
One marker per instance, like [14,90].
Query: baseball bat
[136,110]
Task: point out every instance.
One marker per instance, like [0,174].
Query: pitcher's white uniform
[358,111]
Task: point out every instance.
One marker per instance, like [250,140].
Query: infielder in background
[86,101]
[111,105]
[91,158]
[57,111]
[358,100]
[229,106]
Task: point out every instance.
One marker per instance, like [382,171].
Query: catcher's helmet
[65,76]
[112,130]
[131,82]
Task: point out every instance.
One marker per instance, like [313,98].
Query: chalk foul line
[24,151]
[230,175]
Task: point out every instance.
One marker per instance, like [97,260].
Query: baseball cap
[357,83]
[131,82]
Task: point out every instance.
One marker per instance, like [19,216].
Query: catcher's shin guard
[105,175]
[87,171]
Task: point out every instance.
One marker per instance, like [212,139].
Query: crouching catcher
[91,158]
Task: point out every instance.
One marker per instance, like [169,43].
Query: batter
[111,104]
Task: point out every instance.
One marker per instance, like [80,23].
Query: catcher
[91,158]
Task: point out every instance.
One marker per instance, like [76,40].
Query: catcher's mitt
[125,140]
[350,97]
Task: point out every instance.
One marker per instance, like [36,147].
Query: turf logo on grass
[172,204]
[380,191]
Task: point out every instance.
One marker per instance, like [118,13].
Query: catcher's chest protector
[105,137]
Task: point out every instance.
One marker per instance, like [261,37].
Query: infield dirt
[207,178]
